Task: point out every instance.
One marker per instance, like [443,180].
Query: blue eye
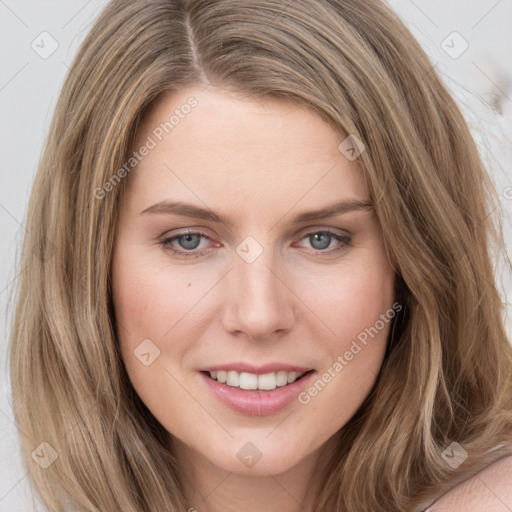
[324,238]
[189,242]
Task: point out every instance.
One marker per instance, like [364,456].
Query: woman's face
[262,283]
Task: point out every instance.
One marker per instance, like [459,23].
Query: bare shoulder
[489,490]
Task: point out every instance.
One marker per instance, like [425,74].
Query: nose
[259,303]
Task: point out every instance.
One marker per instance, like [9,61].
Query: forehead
[210,143]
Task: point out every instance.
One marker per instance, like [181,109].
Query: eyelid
[317,228]
[344,239]
[301,233]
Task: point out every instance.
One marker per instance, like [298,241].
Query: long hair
[447,374]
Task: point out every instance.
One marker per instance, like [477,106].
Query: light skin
[259,165]
[489,490]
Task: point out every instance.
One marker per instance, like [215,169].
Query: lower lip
[253,402]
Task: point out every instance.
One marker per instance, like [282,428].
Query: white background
[480,79]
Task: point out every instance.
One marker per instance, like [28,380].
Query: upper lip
[258,370]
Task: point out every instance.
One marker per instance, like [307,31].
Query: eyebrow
[196,212]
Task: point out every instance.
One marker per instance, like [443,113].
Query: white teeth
[245,380]
[281,378]
[233,378]
[292,376]
[267,381]
[248,381]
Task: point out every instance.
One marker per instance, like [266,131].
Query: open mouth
[251,381]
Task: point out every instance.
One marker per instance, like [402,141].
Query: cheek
[142,301]
[154,301]
[354,299]
[136,297]
[357,308]
[144,292]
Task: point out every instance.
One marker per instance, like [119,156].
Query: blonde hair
[447,374]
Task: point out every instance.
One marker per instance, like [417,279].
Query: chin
[257,458]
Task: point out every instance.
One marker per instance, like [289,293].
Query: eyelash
[166,243]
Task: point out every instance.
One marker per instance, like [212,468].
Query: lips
[257,402]
[256,391]
[257,370]
[265,377]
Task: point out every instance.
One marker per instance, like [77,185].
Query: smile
[246,380]
[252,394]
